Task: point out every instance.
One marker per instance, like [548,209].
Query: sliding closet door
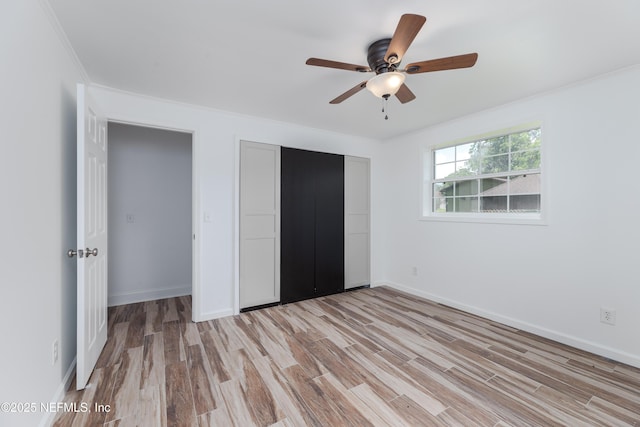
[356,222]
[297,230]
[259,224]
[329,231]
[312,226]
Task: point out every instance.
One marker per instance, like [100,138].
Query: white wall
[149,213]
[551,279]
[215,143]
[37,186]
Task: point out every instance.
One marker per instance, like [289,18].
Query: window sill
[515,219]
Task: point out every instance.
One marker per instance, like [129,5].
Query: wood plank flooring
[372,357]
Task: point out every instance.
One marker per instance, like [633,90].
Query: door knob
[71,253]
[90,252]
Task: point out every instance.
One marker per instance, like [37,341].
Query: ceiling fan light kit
[386,84]
[384,57]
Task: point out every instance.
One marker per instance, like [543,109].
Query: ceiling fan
[384,58]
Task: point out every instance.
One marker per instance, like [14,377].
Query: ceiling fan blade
[357,88]
[339,65]
[404,94]
[450,63]
[406,31]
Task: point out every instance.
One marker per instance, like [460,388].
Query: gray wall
[149,213]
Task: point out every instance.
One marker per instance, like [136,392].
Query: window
[497,176]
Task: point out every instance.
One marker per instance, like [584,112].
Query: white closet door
[259,224]
[356,222]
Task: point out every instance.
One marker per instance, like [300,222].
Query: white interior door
[92,236]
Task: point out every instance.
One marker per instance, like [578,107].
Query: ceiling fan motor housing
[375,56]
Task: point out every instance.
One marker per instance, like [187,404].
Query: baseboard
[592,347]
[58,396]
[148,295]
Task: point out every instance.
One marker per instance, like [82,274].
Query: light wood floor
[368,357]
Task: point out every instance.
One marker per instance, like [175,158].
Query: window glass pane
[525,160]
[494,164]
[525,184]
[493,186]
[525,203]
[526,140]
[462,169]
[463,152]
[493,204]
[466,204]
[445,155]
[445,189]
[466,188]
[442,204]
[444,170]
[497,145]
[475,157]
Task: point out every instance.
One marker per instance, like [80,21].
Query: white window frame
[426,199]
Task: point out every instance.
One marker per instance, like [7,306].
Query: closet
[303,224]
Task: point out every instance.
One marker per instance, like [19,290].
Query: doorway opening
[150,213]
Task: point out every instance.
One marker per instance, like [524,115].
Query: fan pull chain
[385,106]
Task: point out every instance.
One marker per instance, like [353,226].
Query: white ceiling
[249,56]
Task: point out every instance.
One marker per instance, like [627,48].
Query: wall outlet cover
[608,316]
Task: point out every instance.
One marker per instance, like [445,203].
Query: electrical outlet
[54,353]
[607,316]
[414,271]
